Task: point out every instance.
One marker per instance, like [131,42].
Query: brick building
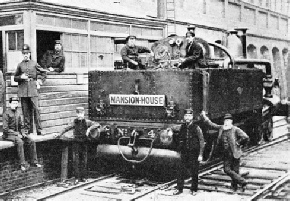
[267,22]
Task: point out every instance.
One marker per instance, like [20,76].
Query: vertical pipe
[243,37]
[161,7]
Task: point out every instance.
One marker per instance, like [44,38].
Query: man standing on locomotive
[54,60]
[194,53]
[231,138]
[191,146]
[29,76]
[130,53]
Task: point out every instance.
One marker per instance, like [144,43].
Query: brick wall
[11,177]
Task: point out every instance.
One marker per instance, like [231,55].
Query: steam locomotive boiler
[142,108]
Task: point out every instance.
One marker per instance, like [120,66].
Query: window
[76,52]
[102,53]
[15,40]
[11,20]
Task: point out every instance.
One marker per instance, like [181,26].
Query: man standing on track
[231,138]
[191,146]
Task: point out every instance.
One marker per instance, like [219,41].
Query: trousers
[189,161]
[232,168]
[80,150]
[30,110]
[19,142]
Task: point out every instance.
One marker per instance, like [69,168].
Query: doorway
[45,41]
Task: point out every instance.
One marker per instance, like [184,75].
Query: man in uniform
[191,146]
[13,131]
[231,138]
[30,77]
[130,53]
[54,60]
[82,129]
[194,53]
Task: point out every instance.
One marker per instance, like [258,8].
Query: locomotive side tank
[141,109]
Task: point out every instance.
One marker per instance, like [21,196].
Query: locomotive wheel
[268,135]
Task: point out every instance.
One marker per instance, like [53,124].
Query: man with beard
[232,139]
[30,77]
[130,53]
[54,60]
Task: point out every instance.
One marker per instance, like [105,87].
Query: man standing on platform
[54,60]
[231,138]
[30,77]
[13,131]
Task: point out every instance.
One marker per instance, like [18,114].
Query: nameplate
[137,100]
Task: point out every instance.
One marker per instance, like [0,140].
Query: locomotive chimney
[161,8]
[234,44]
[243,37]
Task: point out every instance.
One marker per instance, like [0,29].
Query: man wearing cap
[194,53]
[54,60]
[30,77]
[82,128]
[13,131]
[191,146]
[232,139]
[130,53]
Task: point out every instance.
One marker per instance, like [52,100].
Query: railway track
[268,166]
[265,174]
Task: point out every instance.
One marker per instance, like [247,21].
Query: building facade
[93,31]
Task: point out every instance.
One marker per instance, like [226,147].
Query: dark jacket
[194,56]
[2,86]
[53,59]
[35,72]
[129,53]
[191,138]
[80,128]
[12,123]
[236,138]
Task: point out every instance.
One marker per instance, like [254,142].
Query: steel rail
[269,186]
[171,184]
[75,187]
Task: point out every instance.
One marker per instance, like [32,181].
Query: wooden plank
[61,76]
[53,82]
[45,89]
[44,110]
[54,129]
[56,122]
[67,94]
[59,115]
[258,173]
[217,177]
[64,101]
[64,162]
[56,95]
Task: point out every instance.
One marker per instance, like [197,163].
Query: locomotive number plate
[137,100]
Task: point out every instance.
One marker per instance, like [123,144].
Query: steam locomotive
[140,108]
